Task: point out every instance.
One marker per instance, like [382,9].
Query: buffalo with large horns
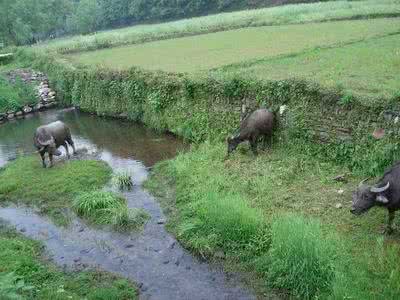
[385,193]
[49,137]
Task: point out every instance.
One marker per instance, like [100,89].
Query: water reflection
[122,139]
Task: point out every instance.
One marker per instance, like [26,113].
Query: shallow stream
[152,258]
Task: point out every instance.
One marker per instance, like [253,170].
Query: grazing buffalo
[385,193]
[49,137]
[260,122]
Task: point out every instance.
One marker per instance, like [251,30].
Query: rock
[19,114]
[77,259]
[172,246]
[27,109]
[340,178]
[177,262]
[378,133]
[165,262]
[340,192]
[338,205]
[23,229]
[10,116]
[38,107]
[161,221]
[49,105]
[52,94]
[129,246]
[81,229]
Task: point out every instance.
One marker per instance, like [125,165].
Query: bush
[301,259]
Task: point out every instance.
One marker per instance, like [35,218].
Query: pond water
[152,258]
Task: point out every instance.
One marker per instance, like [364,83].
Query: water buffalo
[260,122]
[385,193]
[49,137]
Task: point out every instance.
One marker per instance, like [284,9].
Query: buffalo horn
[381,189]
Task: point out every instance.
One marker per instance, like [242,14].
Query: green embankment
[281,15]
[204,52]
[282,216]
[25,275]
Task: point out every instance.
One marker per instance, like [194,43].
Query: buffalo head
[367,196]
[49,146]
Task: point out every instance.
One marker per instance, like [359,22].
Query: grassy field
[283,215]
[25,275]
[213,50]
[369,68]
[289,14]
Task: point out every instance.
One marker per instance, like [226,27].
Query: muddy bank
[152,258]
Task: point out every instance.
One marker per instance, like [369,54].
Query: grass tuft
[300,259]
[123,181]
[107,208]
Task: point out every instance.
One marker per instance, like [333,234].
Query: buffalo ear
[382,199]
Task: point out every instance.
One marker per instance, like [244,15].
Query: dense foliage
[28,21]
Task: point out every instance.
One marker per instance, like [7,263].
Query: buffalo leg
[253,145]
[71,143]
[43,159]
[51,160]
[66,149]
[389,228]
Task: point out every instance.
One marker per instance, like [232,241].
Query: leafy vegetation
[213,50]
[15,96]
[289,14]
[286,204]
[24,275]
[106,208]
[25,180]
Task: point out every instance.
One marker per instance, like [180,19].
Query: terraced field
[214,50]
[365,68]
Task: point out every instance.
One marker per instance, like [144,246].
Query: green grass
[52,190]
[25,275]
[367,68]
[122,181]
[107,208]
[15,96]
[300,259]
[288,14]
[236,207]
[213,50]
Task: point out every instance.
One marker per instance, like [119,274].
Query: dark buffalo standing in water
[385,193]
[49,137]
[260,123]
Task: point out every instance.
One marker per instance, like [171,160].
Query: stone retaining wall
[46,97]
